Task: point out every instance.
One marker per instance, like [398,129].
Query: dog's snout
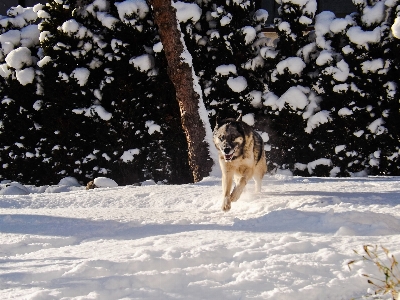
[227,150]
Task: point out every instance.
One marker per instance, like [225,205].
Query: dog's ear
[239,118]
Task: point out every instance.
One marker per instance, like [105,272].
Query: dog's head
[229,138]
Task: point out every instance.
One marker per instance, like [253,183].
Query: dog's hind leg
[258,184]
[259,171]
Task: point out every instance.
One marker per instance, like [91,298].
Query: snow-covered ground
[292,241]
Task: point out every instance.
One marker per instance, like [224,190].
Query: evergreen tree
[225,44]
[289,100]
[357,90]
[112,118]
[20,95]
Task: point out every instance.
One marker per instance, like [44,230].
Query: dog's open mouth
[228,157]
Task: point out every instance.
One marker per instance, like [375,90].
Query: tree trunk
[181,76]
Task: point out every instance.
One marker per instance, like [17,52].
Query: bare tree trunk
[181,76]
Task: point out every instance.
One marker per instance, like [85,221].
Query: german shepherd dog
[241,157]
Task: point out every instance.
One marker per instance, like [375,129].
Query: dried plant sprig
[391,281]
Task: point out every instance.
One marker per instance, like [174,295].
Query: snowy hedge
[85,92]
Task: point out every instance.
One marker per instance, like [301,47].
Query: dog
[241,157]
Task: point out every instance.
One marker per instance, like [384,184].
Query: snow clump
[104,182]
[127,156]
[81,75]
[187,11]
[238,84]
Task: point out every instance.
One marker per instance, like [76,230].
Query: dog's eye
[239,140]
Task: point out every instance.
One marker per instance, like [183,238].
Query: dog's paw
[226,206]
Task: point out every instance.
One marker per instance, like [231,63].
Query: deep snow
[292,241]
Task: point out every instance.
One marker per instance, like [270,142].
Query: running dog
[241,157]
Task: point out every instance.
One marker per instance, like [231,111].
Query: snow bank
[104,182]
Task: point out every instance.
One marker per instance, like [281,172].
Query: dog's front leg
[227,179]
[240,185]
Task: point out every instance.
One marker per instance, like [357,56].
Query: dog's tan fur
[248,162]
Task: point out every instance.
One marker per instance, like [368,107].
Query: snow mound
[104,182]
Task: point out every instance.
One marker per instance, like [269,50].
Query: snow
[294,65]
[19,58]
[324,57]
[338,25]
[374,14]
[376,126]
[225,70]
[372,65]
[291,241]
[339,148]
[225,20]
[70,26]
[396,28]
[81,75]
[255,98]
[25,76]
[362,38]
[69,181]
[138,8]
[104,182]
[158,47]
[314,121]
[152,127]
[345,112]
[248,119]
[322,161]
[237,84]
[143,62]
[295,97]
[249,34]
[340,72]
[128,154]
[261,15]
[30,36]
[187,11]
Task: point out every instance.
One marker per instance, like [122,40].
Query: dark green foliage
[227,34]
[102,112]
[20,130]
[287,122]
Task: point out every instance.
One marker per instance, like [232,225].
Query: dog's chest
[237,165]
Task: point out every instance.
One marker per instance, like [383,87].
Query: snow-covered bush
[116,113]
[224,41]
[106,105]
[20,95]
[85,93]
[289,103]
[358,88]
